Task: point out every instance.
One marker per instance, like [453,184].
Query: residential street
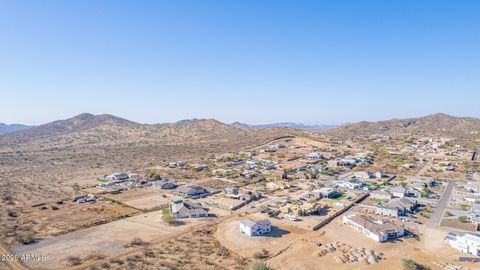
[437,215]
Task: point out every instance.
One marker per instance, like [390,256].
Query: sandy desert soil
[36,223]
[198,249]
[106,240]
[280,238]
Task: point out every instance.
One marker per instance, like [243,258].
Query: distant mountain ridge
[438,124]
[84,122]
[283,124]
[4,128]
[107,129]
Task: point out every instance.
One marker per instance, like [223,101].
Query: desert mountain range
[439,124]
[284,124]
[4,128]
[106,128]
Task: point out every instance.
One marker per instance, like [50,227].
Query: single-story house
[278,146]
[473,186]
[416,185]
[349,183]
[409,166]
[397,191]
[314,155]
[413,193]
[465,242]
[378,230]
[364,175]
[231,190]
[181,209]
[117,176]
[326,192]
[397,207]
[474,213]
[164,184]
[380,195]
[424,180]
[252,228]
[472,199]
[348,162]
[177,164]
[191,191]
[199,167]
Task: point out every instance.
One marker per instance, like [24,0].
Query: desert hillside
[298,126]
[4,128]
[436,124]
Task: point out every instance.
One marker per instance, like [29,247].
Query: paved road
[12,264]
[437,215]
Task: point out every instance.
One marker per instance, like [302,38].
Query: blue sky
[251,61]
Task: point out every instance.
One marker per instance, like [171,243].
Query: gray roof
[399,204]
[189,189]
[475,206]
[398,189]
[193,208]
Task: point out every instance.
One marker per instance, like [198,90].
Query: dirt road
[11,263]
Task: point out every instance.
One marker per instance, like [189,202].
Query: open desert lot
[52,219]
[144,199]
[280,238]
[103,240]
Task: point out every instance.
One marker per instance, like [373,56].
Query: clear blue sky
[250,61]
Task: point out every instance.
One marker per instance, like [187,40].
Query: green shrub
[409,264]
[259,265]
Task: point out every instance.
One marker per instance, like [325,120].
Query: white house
[474,213]
[117,176]
[181,209]
[348,161]
[378,230]
[473,186]
[397,191]
[364,175]
[397,207]
[290,217]
[464,242]
[381,195]
[278,146]
[409,166]
[470,199]
[252,228]
[326,192]
[314,155]
[349,183]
